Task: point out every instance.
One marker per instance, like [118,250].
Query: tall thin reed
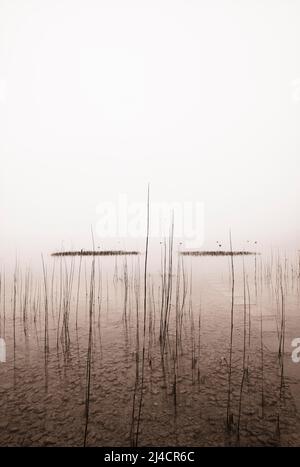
[144,320]
[229,417]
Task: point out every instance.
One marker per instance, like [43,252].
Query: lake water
[91,359]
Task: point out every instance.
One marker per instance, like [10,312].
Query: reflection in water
[188,351]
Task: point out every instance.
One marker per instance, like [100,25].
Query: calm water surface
[88,363]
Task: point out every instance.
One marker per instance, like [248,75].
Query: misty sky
[98,98]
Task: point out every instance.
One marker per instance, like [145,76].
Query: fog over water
[200,99]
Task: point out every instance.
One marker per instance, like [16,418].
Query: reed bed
[96,253]
[218,253]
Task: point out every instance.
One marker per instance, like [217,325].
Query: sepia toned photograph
[150,226]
